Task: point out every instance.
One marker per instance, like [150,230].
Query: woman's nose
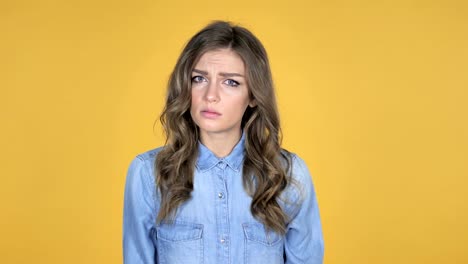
[212,93]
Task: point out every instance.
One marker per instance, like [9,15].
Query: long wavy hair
[266,165]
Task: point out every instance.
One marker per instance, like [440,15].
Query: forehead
[222,59]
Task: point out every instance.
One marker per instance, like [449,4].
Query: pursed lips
[210,113]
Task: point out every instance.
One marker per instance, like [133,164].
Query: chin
[209,129]
[208,125]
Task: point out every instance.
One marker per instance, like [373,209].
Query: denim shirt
[216,225]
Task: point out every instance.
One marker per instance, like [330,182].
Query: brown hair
[266,164]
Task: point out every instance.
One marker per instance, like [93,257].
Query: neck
[220,144]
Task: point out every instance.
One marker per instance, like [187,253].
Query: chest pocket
[180,242]
[262,246]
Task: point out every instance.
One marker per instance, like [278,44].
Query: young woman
[221,190]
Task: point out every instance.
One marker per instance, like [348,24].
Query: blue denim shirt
[216,225]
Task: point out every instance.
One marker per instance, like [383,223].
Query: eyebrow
[223,74]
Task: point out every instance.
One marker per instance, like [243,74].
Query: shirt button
[222,240]
[220,195]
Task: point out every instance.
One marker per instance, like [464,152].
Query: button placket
[222,213]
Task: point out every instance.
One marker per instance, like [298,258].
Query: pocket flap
[179,231]
[257,232]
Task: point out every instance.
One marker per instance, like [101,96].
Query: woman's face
[220,94]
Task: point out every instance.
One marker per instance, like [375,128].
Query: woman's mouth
[210,114]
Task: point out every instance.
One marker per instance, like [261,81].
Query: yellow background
[373,95]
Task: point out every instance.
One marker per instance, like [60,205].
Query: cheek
[193,103]
[240,106]
[193,109]
[194,99]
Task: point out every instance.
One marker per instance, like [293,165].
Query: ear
[253,103]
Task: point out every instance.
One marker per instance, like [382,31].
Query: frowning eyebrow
[223,74]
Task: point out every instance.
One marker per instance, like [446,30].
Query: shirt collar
[207,159]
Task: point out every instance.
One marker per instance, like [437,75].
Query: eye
[232,83]
[198,79]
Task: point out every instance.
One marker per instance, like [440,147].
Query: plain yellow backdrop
[372,94]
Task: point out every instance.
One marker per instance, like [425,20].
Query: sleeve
[139,215]
[304,239]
